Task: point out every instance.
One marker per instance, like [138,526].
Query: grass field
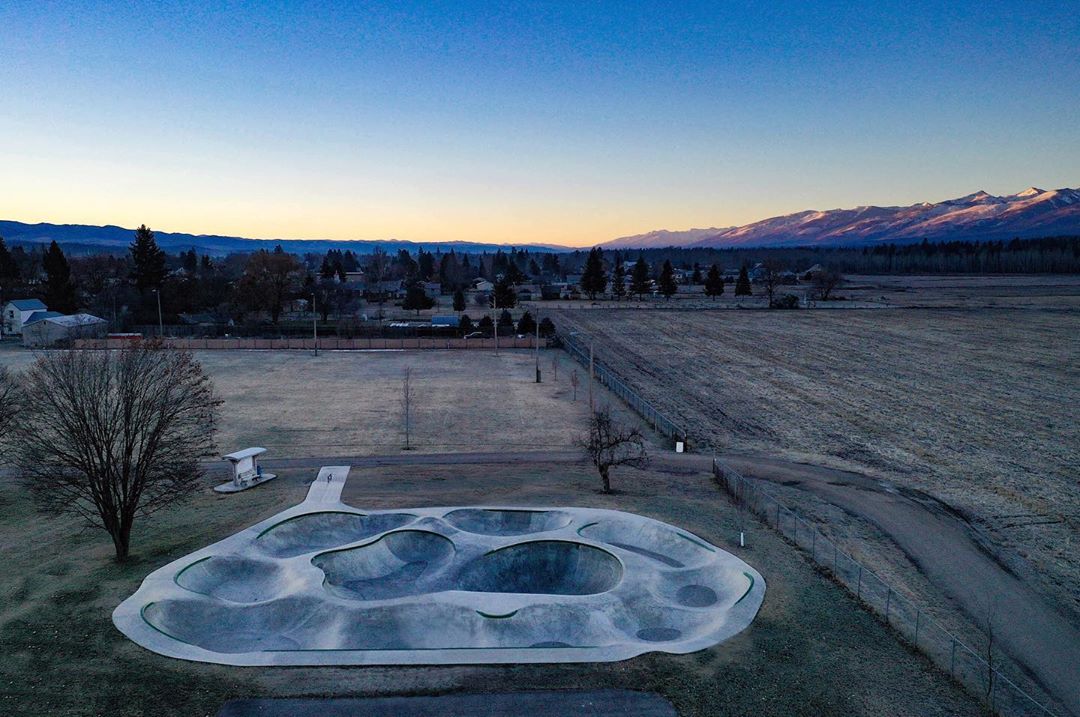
[811,651]
[349,403]
[976,406]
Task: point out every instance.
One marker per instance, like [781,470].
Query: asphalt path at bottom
[547,703]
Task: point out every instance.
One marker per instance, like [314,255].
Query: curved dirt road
[1032,632]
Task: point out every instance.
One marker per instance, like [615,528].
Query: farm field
[349,403]
[811,650]
[976,407]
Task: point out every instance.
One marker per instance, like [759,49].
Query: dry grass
[811,651]
[975,406]
[349,403]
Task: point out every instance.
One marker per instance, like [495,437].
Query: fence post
[858,591]
[952,659]
[778,515]
[888,600]
[813,547]
[918,615]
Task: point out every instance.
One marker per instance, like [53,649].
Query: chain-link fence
[966,666]
[969,668]
[661,423]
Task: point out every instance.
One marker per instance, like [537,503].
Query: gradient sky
[570,122]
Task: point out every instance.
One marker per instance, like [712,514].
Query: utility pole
[592,407]
[495,323]
[160,322]
[538,346]
[314,323]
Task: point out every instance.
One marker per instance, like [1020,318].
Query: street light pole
[160,321]
[537,319]
[314,323]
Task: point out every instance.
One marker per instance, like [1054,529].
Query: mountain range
[980,216]
[88,239]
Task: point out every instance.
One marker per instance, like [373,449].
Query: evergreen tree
[327,269]
[506,320]
[466,325]
[526,324]
[514,274]
[714,283]
[459,301]
[191,261]
[695,278]
[667,284]
[9,268]
[618,280]
[742,285]
[426,264]
[207,264]
[504,295]
[594,279]
[149,260]
[547,327]
[640,282]
[59,291]
[415,296]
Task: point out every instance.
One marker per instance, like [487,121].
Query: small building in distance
[18,311]
[446,321]
[57,330]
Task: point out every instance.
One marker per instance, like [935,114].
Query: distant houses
[60,329]
[18,311]
[39,327]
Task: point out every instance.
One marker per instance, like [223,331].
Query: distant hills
[86,238]
[980,216]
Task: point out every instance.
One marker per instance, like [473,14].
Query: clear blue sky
[568,122]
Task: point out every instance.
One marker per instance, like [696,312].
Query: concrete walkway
[326,489]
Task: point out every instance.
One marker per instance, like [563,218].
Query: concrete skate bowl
[444,586]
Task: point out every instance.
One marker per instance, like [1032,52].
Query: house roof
[29,304]
[41,316]
[75,320]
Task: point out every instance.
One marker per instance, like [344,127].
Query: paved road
[547,703]
[1031,631]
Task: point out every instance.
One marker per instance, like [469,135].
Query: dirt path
[1034,634]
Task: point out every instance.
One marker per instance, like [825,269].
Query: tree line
[128,288]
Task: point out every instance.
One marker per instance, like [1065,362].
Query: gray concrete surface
[323,583]
[548,703]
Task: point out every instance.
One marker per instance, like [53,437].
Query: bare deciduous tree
[824,282]
[771,277]
[112,435]
[407,396]
[10,405]
[608,443]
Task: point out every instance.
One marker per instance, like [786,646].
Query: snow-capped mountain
[979,216]
[664,238]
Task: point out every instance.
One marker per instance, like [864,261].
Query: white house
[17,311]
